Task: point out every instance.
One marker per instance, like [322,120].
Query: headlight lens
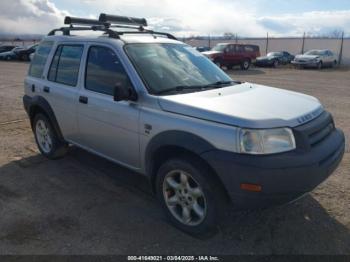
[266,141]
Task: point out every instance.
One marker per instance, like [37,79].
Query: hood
[246,105]
[211,53]
[6,53]
[306,57]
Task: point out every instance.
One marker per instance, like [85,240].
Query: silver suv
[151,103]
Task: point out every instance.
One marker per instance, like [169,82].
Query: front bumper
[283,177]
[305,63]
[263,62]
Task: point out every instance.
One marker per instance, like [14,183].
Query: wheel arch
[177,144]
[39,104]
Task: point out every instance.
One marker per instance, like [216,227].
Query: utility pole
[341,48]
[303,44]
[236,38]
[267,42]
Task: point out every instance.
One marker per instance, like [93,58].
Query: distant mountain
[20,37]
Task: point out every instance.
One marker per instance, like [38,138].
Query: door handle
[83,99]
[46,89]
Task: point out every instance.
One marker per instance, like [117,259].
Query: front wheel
[275,63]
[187,197]
[319,65]
[245,64]
[218,62]
[46,138]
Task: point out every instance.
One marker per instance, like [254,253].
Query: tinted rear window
[39,60]
[65,64]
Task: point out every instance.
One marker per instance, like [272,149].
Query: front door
[107,127]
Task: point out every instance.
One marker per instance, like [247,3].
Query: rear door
[61,87]
[107,127]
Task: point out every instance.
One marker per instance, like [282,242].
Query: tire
[245,64]
[24,57]
[202,197]
[275,63]
[46,138]
[8,58]
[319,65]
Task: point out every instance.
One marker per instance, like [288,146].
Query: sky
[249,18]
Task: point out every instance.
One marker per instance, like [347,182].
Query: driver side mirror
[123,93]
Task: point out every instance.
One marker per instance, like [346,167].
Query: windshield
[219,47]
[314,52]
[274,54]
[167,66]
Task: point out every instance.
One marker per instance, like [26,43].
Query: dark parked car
[6,48]
[230,55]
[274,59]
[24,53]
[202,48]
[10,55]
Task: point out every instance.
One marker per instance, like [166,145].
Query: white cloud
[315,23]
[181,17]
[29,16]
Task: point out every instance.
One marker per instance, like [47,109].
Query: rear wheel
[46,138]
[245,64]
[188,197]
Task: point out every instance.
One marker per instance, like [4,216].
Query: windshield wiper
[217,84]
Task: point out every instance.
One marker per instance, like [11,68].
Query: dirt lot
[83,204]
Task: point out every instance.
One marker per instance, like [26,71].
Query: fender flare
[181,139]
[32,104]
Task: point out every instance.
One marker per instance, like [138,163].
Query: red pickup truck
[230,55]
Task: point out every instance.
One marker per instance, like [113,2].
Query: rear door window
[39,60]
[65,65]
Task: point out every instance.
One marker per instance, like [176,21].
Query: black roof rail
[105,23]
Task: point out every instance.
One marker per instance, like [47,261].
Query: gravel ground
[83,204]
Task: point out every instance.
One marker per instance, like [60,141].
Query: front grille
[321,134]
[314,132]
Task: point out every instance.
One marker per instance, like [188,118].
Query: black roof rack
[124,20]
[105,23]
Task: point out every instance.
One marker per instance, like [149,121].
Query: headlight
[266,141]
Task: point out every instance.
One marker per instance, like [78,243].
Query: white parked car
[315,58]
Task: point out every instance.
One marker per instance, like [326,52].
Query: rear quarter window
[37,65]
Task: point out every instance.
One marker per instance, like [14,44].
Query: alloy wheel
[184,198]
[43,136]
